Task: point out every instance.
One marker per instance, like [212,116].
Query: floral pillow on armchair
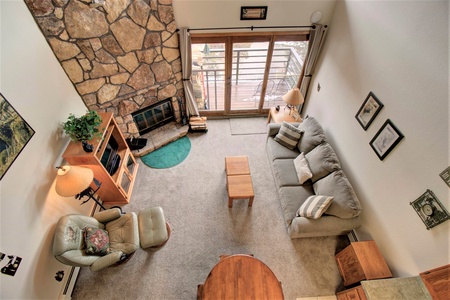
[97,241]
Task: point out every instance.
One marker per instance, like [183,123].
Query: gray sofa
[328,179]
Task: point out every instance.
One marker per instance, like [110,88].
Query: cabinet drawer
[356,293]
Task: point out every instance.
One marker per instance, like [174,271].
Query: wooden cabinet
[437,282]
[112,162]
[362,261]
[356,293]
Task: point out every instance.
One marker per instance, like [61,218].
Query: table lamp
[75,181]
[293,98]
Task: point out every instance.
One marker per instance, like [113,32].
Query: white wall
[221,13]
[36,86]
[398,50]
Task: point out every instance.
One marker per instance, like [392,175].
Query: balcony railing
[247,75]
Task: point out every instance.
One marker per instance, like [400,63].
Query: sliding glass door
[245,74]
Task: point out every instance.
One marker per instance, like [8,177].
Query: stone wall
[121,57]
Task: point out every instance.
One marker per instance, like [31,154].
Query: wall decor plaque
[430,209]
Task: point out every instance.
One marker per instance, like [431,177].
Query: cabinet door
[126,177]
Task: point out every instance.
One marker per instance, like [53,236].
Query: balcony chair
[108,237]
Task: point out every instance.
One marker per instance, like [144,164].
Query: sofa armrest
[107,215]
[273,128]
[324,226]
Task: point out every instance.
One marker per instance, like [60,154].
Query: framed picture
[430,209]
[253,12]
[368,110]
[386,139]
[15,133]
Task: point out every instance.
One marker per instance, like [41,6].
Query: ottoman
[154,231]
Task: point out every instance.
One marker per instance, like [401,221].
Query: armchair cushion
[105,216]
[123,233]
[97,241]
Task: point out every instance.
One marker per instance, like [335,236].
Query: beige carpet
[194,198]
[244,126]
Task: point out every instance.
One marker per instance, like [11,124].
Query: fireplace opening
[153,116]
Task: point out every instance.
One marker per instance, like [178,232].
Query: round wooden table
[241,277]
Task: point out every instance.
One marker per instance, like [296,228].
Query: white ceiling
[216,13]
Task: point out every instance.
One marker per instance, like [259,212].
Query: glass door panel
[247,76]
[285,69]
[208,76]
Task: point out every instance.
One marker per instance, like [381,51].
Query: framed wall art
[368,110]
[253,12]
[430,209]
[15,133]
[386,139]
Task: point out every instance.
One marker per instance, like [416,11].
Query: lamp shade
[293,97]
[72,180]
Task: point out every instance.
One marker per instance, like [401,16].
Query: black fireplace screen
[153,116]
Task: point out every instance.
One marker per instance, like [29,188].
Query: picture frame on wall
[368,110]
[253,12]
[15,134]
[386,139]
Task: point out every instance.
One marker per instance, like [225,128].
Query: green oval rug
[169,155]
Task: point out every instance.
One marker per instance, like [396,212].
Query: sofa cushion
[276,150]
[312,136]
[302,168]
[291,198]
[284,171]
[288,135]
[345,203]
[322,161]
[97,241]
[314,206]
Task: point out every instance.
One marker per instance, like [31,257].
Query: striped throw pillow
[314,206]
[288,135]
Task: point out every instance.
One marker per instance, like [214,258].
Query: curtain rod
[250,27]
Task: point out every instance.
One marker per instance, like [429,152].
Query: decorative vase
[87,147]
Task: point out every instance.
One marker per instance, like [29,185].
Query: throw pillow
[302,168]
[322,161]
[97,241]
[345,203]
[312,136]
[314,206]
[288,135]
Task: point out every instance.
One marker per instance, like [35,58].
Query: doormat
[243,126]
[169,155]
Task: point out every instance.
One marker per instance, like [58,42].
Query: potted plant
[84,128]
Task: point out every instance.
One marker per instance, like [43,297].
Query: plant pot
[87,147]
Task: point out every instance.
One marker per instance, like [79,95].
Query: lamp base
[291,108]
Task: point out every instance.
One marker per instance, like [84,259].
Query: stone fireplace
[121,57]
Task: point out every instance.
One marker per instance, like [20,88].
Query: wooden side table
[362,261]
[281,116]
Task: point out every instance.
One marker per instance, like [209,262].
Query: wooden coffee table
[241,277]
[239,180]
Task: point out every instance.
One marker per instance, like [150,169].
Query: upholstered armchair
[77,237]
